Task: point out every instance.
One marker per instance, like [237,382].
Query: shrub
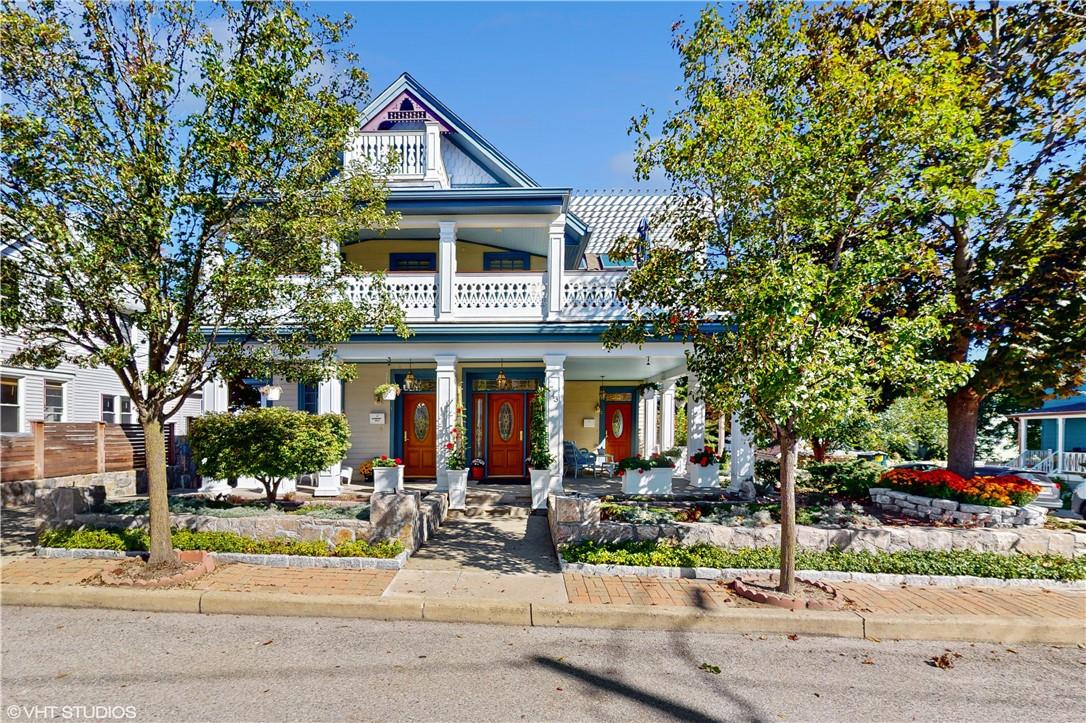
[911,562]
[81,540]
[270,444]
[335,512]
[851,478]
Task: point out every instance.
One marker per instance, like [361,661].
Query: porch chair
[577,459]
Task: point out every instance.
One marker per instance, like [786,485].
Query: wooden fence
[59,449]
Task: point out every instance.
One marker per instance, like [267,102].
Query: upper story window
[307,398]
[109,409]
[412,262]
[127,416]
[54,401]
[506,261]
[11,406]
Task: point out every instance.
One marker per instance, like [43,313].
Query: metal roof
[1054,411]
[611,215]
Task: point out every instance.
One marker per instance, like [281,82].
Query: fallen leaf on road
[867,661]
[1012,650]
[817,695]
[710,668]
[558,689]
[561,658]
[943,662]
[793,636]
[875,640]
[268,642]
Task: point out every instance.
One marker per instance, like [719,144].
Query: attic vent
[406,112]
[407,104]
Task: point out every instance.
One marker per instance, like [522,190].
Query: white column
[556,252]
[1059,444]
[742,454]
[446,265]
[329,401]
[695,415]
[667,414]
[446,413]
[216,396]
[1023,436]
[435,163]
[649,421]
[555,380]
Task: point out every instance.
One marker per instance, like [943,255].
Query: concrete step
[487,511]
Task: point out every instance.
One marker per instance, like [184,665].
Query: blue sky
[553,85]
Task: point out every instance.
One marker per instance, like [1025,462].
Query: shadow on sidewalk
[503,545]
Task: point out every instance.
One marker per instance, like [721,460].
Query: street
[216,667]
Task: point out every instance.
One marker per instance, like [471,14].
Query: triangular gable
[405,108]
[480,150]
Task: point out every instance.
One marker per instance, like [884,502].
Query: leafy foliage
[269,444]
[849,479]
[539,447]
[911,562]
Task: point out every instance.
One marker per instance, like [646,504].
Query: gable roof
[463,135]
[611,215]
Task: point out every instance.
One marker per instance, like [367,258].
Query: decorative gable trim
[405,108]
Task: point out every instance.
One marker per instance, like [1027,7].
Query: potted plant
[386,392]
[648,390]
[456,472]
[387,474]
[478,470]
[641,476]
[540,458]
[704,468]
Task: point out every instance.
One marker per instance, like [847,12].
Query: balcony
[415,156]
[523,296]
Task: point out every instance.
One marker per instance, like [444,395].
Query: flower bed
[241,508]
[939,509]
[741,514]
[1002,491]
[910,562]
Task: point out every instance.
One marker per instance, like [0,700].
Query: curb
[840,624]
[303,561]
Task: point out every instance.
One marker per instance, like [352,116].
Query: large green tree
[1004,206]
[179,197]
[789,161]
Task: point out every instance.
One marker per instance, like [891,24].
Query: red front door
[505,424]
[618,426]
[419,448]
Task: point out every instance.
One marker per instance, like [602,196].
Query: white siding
[463,171]
[367,440]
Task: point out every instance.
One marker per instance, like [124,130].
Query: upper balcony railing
[586,296]
[408,147]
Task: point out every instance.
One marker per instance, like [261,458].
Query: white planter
[389,395]
[543,484]
[441,484]
[388,479]
[656,481]
[708,476]
[458,488]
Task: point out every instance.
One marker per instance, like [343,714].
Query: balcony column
[329,401]
[555,380]
[650,423]
[667,415]
[1059,444]
[556,252]
[742,457]
[446,414]
[1023,438]
[446,266]
[695,415]
[435,162]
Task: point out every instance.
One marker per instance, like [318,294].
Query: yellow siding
[373,255]
[581,399]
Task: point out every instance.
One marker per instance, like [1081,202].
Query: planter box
[707,476]
[656,481]
[458,488]
[388,479]
[543,484]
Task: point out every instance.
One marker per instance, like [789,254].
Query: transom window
[506,261]
[54,401]
[412,262]
[11,410]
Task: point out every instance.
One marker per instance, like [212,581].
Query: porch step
[487,511]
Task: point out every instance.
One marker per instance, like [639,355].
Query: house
[508,287]
[1052,438]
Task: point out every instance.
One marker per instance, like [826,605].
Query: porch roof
[1072,409]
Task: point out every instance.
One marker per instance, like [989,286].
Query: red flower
[384,457]
[398,460]
[450,446]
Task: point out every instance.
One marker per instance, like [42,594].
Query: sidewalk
[547,598]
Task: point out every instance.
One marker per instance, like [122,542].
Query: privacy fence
[59,449]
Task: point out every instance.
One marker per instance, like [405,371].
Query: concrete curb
[829,576]
[304,561]
[844,624]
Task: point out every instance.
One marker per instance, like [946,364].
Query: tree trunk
[961,411]
[818,449]
[158,504]
[788,511]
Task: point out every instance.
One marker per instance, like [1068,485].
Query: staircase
[486,503]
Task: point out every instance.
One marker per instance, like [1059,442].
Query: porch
[1052,442]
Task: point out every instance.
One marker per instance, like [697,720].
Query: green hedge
[912,562]
[138,541]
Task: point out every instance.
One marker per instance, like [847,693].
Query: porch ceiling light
[409,379]
[502,381]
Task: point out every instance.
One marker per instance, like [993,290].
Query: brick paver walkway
[50,570]
[649,591]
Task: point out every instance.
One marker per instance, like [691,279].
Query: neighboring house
[1052,438]
[508,288]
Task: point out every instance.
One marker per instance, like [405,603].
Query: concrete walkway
[18,531]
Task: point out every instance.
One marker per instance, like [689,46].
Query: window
[109,408]
[54,401]
[506,261]
[412,262]
[126,411]
[307,398]
[11,410]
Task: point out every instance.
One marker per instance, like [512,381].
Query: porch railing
[501,296]
[1074,462]
[408,146]
[593,295]
[416,294]
[1039,460]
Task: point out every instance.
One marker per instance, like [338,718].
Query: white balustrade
[499,296]
[1074,462]
[409,147]
[414,293]
[593,295]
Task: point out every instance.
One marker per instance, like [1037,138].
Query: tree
[269,444]
[788,162]
[180,198]
[913,427]
[1003,196]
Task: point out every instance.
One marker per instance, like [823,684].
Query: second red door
[505,424]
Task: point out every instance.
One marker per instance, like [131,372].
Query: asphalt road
[220,668]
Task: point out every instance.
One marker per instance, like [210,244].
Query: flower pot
[649,395]
[707,476]
[388,479]
[458,488]
[389,395]
[656,481]
[543,484]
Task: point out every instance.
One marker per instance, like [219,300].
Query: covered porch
[1053,440]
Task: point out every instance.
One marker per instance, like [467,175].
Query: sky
[552,85]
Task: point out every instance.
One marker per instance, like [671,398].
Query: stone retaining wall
[942,510]
[576,518]
[24,492]
[403,516]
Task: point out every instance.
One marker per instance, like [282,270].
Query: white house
[508,288]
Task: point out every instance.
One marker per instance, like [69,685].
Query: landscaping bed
[240,507]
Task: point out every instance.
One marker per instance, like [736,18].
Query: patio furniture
[577,460]
[605,465]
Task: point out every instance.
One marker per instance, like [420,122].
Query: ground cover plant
[912,562]
[139,540]
[229,509]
